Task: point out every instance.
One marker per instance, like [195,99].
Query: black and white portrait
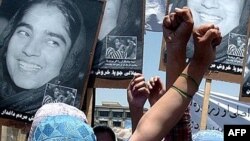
[45,42]
[59,94]
[119,57]
[121,47]
[236,45]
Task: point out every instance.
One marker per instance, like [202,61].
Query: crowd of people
[168,104]
[168,117]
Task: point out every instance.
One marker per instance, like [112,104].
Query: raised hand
[177,29]
[137,91]
[178,26]
[156,89]
[137,94]
[206,38]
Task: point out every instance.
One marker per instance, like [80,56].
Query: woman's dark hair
[67,8]
[104,129]
[74,18]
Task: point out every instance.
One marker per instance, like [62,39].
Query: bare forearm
[136,114]
[163,116]
[175,64]
[172,73]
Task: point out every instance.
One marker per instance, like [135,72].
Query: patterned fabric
[235,51]
[60,122]
[208,135]
[182,130]
[113,54]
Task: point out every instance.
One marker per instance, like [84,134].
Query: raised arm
[178,28]
[137,93]
[162,117]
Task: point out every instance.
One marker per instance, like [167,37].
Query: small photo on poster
[121,47]
[56,94]
[236,44]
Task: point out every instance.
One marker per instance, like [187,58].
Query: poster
[119,50]
[232,19]
[45,53]
[244,94]
[222,110]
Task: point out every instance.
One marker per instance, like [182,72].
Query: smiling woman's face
[38,47]
[223,13]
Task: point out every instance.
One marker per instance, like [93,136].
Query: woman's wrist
[188,85]
[196,71]
[135,108]
[197,67]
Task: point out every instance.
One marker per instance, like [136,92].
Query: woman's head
[59,121]
[104,133]
[40,40]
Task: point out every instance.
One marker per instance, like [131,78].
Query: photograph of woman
[44,42]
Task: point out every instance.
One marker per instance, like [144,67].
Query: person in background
[59,121]
[104,133]
[171,105]
[208,135]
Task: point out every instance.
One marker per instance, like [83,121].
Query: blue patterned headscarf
[60,122]
[208,135]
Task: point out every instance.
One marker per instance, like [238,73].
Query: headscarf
[59,121]
[208,135]
[71,73]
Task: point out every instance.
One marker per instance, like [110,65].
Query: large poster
[45,52]
[119,51]
[231,16]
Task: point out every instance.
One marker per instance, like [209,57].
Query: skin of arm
[163,116]
[137,93]
[177,32]
[180,28]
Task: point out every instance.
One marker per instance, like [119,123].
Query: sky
[151,60]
